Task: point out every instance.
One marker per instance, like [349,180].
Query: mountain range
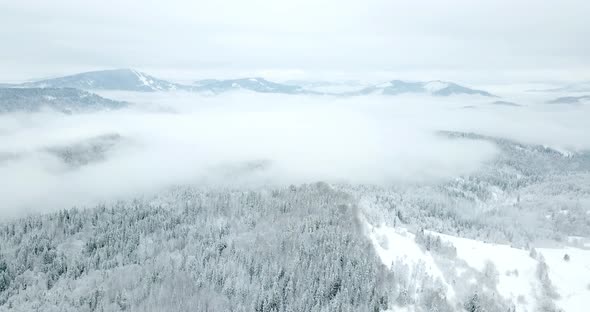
[133,80]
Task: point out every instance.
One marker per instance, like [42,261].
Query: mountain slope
[115,79]
[65,100]
[435,87]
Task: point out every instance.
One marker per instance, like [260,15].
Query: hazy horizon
[478,43]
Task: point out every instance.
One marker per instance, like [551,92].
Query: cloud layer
[259,139]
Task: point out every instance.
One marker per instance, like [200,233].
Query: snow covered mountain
[133,80]
[115,79]
[67,100]
[435,87]
[255,84]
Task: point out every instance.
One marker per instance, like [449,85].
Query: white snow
[517,279]
[570,278]
[505,259]
[146,82]
[397,244]
[141,78]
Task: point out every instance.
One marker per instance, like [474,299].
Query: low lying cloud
[241,138]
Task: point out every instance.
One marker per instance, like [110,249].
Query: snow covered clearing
[515,274]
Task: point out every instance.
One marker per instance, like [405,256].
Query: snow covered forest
[294,156]
[290,249]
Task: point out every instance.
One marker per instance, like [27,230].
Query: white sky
[486,41]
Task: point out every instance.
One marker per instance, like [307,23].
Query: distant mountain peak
[111,79]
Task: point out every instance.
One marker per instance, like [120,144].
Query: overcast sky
[496,40]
